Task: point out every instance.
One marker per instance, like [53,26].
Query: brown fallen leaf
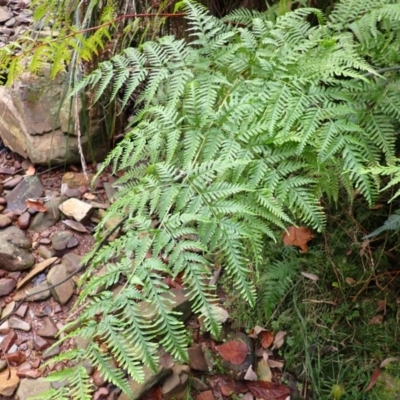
[279,339]
[388,360]
[30,171]
[267,338]
[373,380]
[36,205]
[233,351]
[275,364]
[376,320]
[206,395]
[310,276]
[381,306]
[350,281]
[263,370]
[267,390]
[297,236]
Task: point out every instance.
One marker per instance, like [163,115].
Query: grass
[333,346]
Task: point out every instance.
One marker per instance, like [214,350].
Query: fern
[235,135]
[391,224]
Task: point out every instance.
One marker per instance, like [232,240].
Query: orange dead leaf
[297,236]
[267,338]
[36,205]
[373,380]
[233,351]
[30,171]
[376,320]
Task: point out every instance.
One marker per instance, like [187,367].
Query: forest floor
[332,335]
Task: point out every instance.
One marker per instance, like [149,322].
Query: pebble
[7,285]
[4,221]
[16,323]
[48,329]
[60,240]
[17,179]
[24,220]
[76,209]
[39,343]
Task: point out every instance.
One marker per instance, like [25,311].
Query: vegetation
[261,120]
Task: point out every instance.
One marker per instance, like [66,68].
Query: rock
[38,293]
[51,352]
[74,180]
[110,224]
[3,365]
[8,341]
[206,395]
[25,371]
[235,371]
[42,221]
[21,312]
[23,220]
[66,191]
[15,244]
[7,285]
[15,357]
[5,14]
[60,240]
[16,323]
[48,329]
[39,343]
[199,385]
[71,261]
[63,292]
[81,342]
[30,187]
[76,209]
[110,191]
[150,379]
[26,389]
[175,384]
[73,242]
[36,126]
[9,381]
[45,252]
[4,221]
[197,361]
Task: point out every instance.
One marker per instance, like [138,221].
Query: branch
[382,70]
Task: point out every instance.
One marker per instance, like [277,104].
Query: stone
[175,385]
[42,221]
[71,261]
[98,379]
[4,328]
[76,209]
[197,361]
[21,312]
[60,240]
[81,342]
[48,329]
[26,389]
[23,220]
[5,221]
[9,381]
[5,14]
[110,191]
[137,390]
[45,252]
[38,293]
[30,187]
[63,292]
[51,352]
[25,371]
[16,323]
[3,365]
[39,343]
[35,125]
[7,285]
[8,341]
[16,245]
[76,179]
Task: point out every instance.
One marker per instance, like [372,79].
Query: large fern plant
[236,135]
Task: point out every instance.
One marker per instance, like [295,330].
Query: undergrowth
[334,337]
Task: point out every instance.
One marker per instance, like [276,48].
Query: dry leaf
[381,306]
[267,390]
[279,339]
[207,395]
[297,236]
[233,351]
[376,320]
[30,171]
[386,361]
[264,371]
[36,205]
[350,281]
[267,338]
[309,275]
[219,314]
[250,374]
[374,377]
[89,196]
